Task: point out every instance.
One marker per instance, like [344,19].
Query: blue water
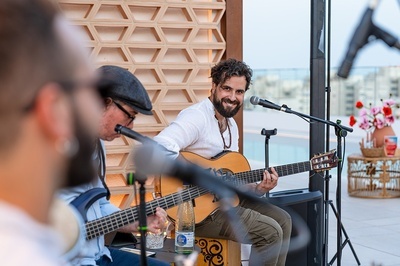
[282,150]
[286,150]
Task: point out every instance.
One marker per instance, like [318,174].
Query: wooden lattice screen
[169,45]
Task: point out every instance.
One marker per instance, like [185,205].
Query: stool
[215,251]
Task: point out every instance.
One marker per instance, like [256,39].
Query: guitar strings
[254,175]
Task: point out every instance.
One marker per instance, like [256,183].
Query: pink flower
[375,110]
[390,119]
[363,112]
[389,102]
[364,123]
[379,123]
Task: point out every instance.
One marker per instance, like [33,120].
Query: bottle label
[184,239]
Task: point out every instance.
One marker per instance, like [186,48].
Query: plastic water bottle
[184,228]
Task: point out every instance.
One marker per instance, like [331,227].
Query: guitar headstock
[324,161]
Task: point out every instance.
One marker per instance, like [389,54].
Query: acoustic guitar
[234,163]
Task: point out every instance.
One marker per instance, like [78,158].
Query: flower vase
[379,135]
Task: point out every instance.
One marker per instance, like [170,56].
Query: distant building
[292,87]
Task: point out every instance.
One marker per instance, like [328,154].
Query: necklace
[230,135]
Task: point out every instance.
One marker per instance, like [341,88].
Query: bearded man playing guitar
[207,129]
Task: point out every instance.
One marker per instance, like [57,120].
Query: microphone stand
[341,132]
[142,219]
[141,178]
[267,134]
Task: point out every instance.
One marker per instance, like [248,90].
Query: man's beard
[81,167]
[221,109]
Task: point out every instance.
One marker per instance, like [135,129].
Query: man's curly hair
[231,67]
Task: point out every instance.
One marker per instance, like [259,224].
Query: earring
[68,147]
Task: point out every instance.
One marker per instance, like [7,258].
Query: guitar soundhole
[225,174]
[226,171]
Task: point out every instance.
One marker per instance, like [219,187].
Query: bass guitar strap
[102,166]
[86,199]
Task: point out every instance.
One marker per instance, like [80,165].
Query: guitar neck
[282,170]
[127,216]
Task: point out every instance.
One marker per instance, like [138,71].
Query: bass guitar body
[68,223]
[228,162]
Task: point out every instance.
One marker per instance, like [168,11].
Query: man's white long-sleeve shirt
[196,130]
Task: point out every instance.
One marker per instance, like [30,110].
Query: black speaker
[308,206]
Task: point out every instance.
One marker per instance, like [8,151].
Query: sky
[277,33]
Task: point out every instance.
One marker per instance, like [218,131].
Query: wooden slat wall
[170,46]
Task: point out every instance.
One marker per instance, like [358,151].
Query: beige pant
[265,226]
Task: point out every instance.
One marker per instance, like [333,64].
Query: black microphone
[267,104]
[143,139]
[359,39]
[132,134]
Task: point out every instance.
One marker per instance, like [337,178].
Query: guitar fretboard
[283,170]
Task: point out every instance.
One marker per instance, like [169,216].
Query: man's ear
[108,101]
[54,112]
[213,87]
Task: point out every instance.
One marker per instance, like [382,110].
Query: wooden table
[371,177]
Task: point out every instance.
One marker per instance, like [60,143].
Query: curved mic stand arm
[314,118]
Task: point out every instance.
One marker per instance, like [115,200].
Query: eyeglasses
[131,118]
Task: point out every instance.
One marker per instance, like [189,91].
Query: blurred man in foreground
[49,116]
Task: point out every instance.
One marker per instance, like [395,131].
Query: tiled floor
[373,226]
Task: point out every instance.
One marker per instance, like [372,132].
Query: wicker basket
[373,152]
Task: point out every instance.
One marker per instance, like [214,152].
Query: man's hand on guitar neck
[155,222]
[158,221]
[270,180]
